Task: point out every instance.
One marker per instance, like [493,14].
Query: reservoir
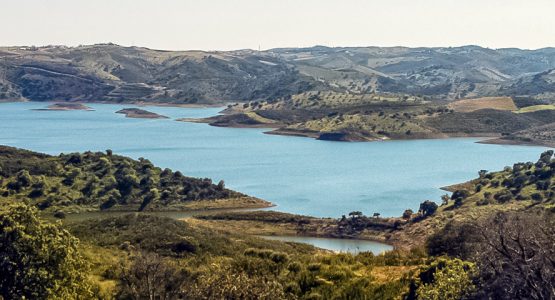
[300,175]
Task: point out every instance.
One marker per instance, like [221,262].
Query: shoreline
[277,129]
[285,229]
[511,142]
[273,129]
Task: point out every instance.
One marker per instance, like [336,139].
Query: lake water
[300,175]
[337,245]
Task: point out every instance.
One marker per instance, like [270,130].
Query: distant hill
[108,72]
[459,72]
[113,73]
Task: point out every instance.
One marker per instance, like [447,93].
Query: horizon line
[269,49]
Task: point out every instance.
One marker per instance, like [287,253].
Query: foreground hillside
[491,240]
[104,181]
[108,72]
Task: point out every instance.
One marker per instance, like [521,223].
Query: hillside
[108,72]
[454,72]
[540,135]
[447,249]
[350,117]
[125,74]
[103,181]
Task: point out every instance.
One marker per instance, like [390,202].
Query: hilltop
[108,72]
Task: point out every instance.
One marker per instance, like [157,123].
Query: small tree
[221,185]
[427,208]
[355,214]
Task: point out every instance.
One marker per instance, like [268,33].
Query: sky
[240,24]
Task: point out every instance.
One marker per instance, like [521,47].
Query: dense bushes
[522,181]
[38,260]
[444,279]
[99,180]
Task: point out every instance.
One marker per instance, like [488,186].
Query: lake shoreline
[276,129]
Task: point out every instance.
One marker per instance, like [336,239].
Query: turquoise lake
[300,175]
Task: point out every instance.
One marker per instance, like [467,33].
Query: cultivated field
[469,105]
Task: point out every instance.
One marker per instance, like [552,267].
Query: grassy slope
[534,108]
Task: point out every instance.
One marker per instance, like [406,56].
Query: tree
[515,255]
[39,260]
[427,208]
[513,251]
[355,214]
[221,185]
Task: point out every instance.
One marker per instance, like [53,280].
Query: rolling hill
[108,72]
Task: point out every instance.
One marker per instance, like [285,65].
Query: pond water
[300,175]
[337,245]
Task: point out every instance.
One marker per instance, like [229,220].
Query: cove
[300,175]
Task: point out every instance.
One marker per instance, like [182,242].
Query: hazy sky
[237,24]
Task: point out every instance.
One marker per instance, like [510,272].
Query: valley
[204,251]
[142,198]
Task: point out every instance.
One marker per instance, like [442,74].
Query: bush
[446,279]
[38,259]
[60,215]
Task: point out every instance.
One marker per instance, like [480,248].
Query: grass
[534,108]
[218,250]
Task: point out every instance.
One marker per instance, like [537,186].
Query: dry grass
[385,274]
[470,105]
[534,108]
